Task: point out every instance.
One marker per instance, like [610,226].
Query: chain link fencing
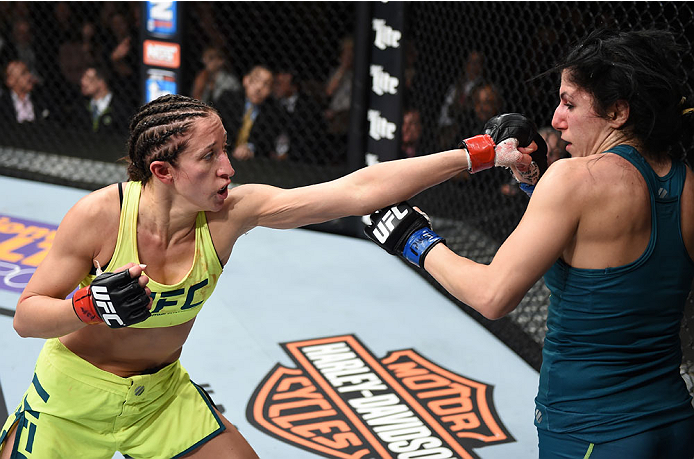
[463,63]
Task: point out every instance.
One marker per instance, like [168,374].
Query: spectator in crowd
[251,116]
[411,133]
[338,90]
[486,102]
[75,55]
[410,71]
[24,47]
[457,102]
[78,54]
[89,47]
[104,111]
[556,147]
[215,78]
[208,25]
[302,128]
[21,103]
[122,57]
[63,28]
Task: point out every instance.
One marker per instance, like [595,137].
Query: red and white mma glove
[520,127]
[483,153]
[498,146]
[116,299]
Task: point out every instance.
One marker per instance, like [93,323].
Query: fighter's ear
[619,113]
[162,170]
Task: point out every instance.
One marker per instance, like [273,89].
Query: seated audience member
[457,102]
[24,43]
[215,78]
[120,52]
[556,147]
[251,116]
[302,128]
[21,103]
[486,103]
[411,133]
[75,56]
[104,111]
[338,90]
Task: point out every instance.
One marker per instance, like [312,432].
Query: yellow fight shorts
[74,409]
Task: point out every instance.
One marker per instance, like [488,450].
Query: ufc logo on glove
[386,225]
[403,231]
[115,299]
[103,301]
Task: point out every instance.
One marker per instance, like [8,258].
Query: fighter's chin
[219,198]
[570,149]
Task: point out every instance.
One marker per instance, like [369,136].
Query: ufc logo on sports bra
[103,301]
[172,298]
[385,226]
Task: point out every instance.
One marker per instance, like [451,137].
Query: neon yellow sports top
[172,304]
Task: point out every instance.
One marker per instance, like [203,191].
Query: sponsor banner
[23,244]
[343,402]
[159,83]
[161,19]
[161,54]
[384,115]
[161,50]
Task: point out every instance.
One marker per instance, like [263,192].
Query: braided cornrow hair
[157,132]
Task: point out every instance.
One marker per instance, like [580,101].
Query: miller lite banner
[341,401]
[384,112]
[161,49]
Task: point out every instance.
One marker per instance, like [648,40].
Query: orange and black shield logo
[343,402]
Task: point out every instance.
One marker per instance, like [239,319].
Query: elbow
[20,327]
[22,322]
[19,322]
[493,305]
[493,313]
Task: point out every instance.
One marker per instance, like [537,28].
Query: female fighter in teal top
[613,229]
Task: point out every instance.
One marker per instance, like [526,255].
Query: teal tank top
[612,351]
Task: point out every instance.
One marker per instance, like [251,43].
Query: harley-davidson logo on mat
[343,402]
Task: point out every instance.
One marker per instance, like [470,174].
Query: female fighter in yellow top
[108,378]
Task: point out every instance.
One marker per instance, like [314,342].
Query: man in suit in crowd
[104,112]
[20,103]
[302,133]
[251,116]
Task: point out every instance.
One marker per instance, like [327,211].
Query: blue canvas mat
[314,345]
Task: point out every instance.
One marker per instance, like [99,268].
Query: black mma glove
[518,126]
[403,231]
[114,298]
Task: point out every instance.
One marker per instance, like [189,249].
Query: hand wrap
[114,298]
[403,231]
[518,126]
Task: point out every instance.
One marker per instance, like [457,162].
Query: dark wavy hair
[642,68]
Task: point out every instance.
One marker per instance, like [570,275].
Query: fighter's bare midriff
[128,351]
